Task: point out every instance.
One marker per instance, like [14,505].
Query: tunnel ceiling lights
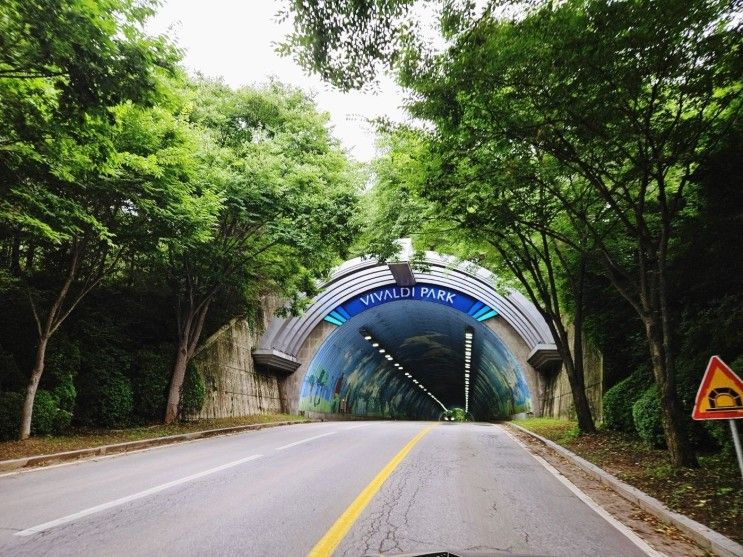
[368,337]
[469,334]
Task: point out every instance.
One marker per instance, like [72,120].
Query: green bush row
[102,396]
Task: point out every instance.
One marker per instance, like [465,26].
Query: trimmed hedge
[646,413]
[618,401]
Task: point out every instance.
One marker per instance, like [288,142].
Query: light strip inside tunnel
[375,344]
[469,334]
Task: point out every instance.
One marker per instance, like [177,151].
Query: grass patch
[710,494]
[554,429]
[83,439]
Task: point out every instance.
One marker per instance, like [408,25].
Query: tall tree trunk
[188,336]
[671,414]
[33,385]
[573,362]
[176,382]
[583,412]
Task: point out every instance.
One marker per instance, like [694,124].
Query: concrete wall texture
[233,386]
[557,398]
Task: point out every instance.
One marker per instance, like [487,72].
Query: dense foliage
[619,400]
[572,144]
[140,209]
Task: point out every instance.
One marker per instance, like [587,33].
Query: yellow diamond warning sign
[720,396]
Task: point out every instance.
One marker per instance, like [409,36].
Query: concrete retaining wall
[233,386]
[557,398]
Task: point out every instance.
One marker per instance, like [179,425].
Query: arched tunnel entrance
[385,341]
[413,358]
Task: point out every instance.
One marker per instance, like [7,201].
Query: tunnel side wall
[291,385]
[234,387]
[520,351]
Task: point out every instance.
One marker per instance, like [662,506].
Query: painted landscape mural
[348,376]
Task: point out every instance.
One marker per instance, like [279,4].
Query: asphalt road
[278,491]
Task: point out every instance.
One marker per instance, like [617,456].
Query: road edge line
[593,505]
[133,497]
[335,534]
[703,535]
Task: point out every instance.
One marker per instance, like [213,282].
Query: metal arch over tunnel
[420,320]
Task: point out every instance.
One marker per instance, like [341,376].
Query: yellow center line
[338,531]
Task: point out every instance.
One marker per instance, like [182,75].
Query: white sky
[233,39]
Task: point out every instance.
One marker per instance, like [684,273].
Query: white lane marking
[133,497]
[628,532]
[304,441]
[357,426]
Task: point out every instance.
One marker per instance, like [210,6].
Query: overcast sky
[233,39]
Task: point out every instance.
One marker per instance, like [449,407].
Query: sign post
[736,442]
[720,397]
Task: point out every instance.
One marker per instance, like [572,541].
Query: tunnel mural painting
[347,376]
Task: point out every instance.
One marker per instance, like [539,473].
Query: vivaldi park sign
[420,292]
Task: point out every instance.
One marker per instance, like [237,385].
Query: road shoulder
[657,531]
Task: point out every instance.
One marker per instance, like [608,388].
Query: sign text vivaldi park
[420,292]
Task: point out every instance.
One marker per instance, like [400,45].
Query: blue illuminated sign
[422,292]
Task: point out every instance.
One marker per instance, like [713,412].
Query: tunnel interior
[418,367]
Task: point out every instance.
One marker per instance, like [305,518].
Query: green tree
[68,68]
[287,194]
[346,41]
[97,204]
[451,201]
[624,99]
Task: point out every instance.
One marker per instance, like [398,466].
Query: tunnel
[397,342]
[414,359]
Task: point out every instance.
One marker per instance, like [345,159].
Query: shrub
[62,421]
[106,400]
[66,394]
[646,413]
[44,417]
[10,415]
[193,393]
[115,402]
[105,396]
[150,383]
[618,400]
[62,366]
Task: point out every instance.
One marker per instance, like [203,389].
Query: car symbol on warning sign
[720,395]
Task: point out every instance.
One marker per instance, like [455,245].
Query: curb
[701,534]
[37,460]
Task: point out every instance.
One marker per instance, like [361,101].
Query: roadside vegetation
[84,438]
[711,495]
[140,209]
[588,153]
